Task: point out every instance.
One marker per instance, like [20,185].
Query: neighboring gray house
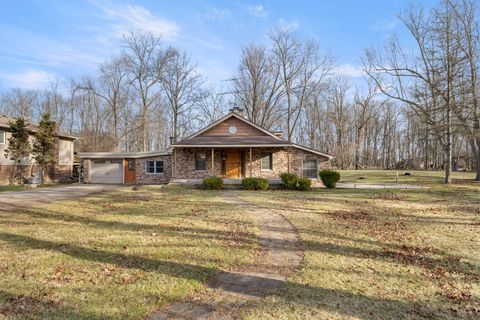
[62,170]
[232,147]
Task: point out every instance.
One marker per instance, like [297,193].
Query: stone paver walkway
[228,292]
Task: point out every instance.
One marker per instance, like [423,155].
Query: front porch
[234,163]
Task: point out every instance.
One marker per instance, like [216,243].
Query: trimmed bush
[289,180]
[255,184]
[329,178]
[213,183]
[304,184]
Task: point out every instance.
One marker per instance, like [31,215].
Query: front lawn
[415,177]
[117,256]
[378,254]
[368,254]
[15,187]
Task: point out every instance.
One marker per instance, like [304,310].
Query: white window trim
[155,167]
[4,134]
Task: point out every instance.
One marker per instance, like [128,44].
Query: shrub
[329,178]
[289,180]
[304,184]
[213,183]
[255,184]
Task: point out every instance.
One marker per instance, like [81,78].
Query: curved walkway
[280,255]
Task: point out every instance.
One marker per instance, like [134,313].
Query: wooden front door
[232,164]
[129,170]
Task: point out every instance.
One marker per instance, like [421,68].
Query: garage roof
[121,155]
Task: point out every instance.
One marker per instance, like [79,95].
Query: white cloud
[385,25]
[134,17]
[349,70]
[288,25]
[216,14]
[28,79]
[257,11]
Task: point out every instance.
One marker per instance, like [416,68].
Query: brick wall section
[143,178]
[52,173]
[243,129]
[185,166]
[63,172]
[280,158]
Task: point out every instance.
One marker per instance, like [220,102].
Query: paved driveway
[51,194]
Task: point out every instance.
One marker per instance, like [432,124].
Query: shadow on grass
[244,237]
[372,307]
[19,306]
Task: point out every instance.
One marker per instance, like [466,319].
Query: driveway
[51,194]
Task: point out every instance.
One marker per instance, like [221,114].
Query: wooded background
[415,108]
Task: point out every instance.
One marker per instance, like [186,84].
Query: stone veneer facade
[281,156]
[184,168]
[142,177]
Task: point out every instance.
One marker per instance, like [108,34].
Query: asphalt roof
[232,140]
[32,127]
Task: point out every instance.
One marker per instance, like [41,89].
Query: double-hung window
[310,169]
[200,160]
[266,161]
[154,167]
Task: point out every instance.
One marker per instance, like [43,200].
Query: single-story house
[232,147]
[61,170]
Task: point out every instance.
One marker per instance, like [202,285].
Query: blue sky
[44,40]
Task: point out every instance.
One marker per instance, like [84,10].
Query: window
[266,161]
[131,165]
[99,161]
[310,169]
[116,161]
[2,137]
[200,161]
[154,167]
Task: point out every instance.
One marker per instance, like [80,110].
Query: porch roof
[242,142]
[245,141]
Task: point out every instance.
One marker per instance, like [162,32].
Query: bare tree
[258,86]
[425,81]
[142,52]
[364,109]
[181,85]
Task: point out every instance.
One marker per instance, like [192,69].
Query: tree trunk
[42,177]
[448,149]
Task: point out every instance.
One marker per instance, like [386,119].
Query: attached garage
[153,167]
[106,171]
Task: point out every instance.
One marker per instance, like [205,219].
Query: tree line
[414,108]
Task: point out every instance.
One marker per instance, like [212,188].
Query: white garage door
[106,171]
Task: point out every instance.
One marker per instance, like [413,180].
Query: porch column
[288,160]
[213,163]
[174,167]
[250,164]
